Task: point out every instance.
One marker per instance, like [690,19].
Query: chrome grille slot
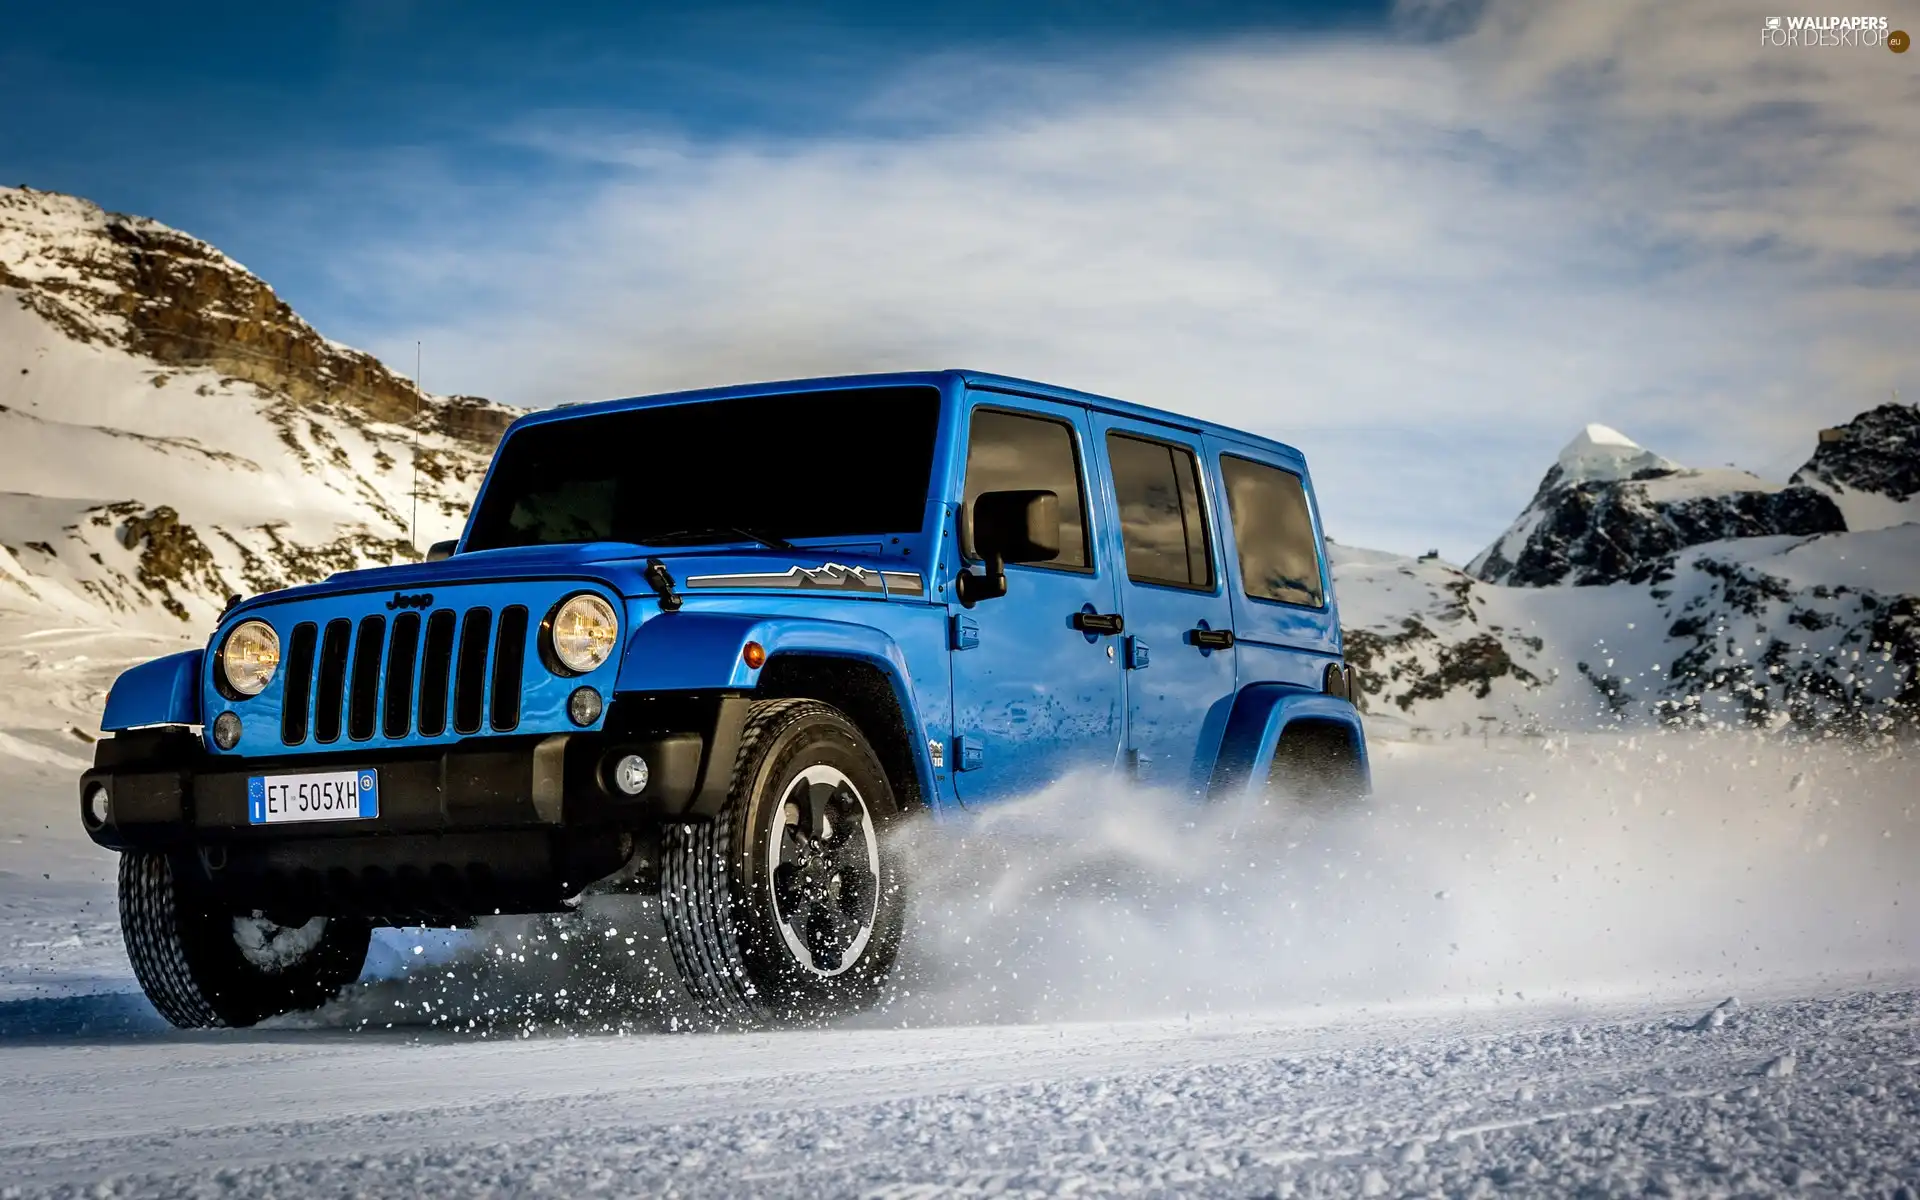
[298,699]
[330,689]
[363,697]
[509,656]
[367,676]
[402,648]
[470,672]
[435,662]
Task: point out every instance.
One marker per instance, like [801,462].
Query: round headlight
[250,657]
[581,633]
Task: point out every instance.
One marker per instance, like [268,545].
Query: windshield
[852,463]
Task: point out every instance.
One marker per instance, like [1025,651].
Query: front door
[1179,619]
[1033,696]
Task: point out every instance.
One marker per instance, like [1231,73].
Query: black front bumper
[496,825]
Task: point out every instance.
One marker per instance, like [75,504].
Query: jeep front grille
[387,677]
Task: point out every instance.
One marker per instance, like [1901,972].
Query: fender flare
[705,651]
[1261,714]
[165,691]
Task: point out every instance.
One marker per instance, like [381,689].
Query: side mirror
[1019,526]
[440,550]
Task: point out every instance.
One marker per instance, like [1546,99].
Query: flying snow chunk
[1717,1016]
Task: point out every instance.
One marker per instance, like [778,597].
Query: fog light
[630,774]
[584,706]
[95,806]
[226,730]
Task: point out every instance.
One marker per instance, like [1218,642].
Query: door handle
[1087,622]
[1211,639]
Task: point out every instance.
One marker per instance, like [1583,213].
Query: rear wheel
[1315,765]
[203,965]
[786,907]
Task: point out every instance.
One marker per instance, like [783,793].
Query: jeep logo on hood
[411,600]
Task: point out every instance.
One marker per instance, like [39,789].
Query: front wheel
[787,907]
[203,965]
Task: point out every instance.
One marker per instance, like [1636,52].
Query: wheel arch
[856,668]
[163,691]
[1277,726]
[872,697]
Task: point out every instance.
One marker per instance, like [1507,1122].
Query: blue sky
[1425,242]
[209,120]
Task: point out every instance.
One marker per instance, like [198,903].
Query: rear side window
[1158,487]
[1007,451]
[1274,530]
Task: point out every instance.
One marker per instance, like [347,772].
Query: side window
[1271,523]
[1158,487]
[1014,450]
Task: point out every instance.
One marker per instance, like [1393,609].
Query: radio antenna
[419,397]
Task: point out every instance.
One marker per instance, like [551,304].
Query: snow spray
[1563,868]
[1528,869]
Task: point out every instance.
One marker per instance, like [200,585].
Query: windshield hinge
[661,580]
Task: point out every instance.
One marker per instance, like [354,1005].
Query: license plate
[326,796]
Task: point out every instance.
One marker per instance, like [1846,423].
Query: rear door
[1033,696]
[1282,594]
[1179,619]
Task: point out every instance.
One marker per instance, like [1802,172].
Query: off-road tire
[1315,767]
[184,950]
[716,891]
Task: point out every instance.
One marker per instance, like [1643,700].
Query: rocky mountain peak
[136,285]
[1610,510]
[1870,466]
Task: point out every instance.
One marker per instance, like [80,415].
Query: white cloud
[1426,263]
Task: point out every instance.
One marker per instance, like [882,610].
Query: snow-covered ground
[1498,975]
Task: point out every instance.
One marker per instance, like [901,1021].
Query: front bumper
[496,825]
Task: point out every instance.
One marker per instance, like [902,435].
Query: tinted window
[1008,451]
[1158,487]
[1274,530]
[812,464]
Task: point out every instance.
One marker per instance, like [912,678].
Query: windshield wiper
[686,537]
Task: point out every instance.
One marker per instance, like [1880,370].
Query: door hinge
[1136,653]
[968,754]
[965,632]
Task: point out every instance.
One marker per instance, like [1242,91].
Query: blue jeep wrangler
[712,645]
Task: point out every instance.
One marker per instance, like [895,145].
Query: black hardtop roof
[974,379]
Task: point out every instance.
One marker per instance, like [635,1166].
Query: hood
[859,569]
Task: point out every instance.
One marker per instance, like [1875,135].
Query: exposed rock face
[171,432]
[153,291]
[1609,511]
[1424,644]
[1877,454]
[1819,635]
[1765,641]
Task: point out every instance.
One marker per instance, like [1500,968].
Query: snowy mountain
[172,433]
[1609,510]
[1633,591]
